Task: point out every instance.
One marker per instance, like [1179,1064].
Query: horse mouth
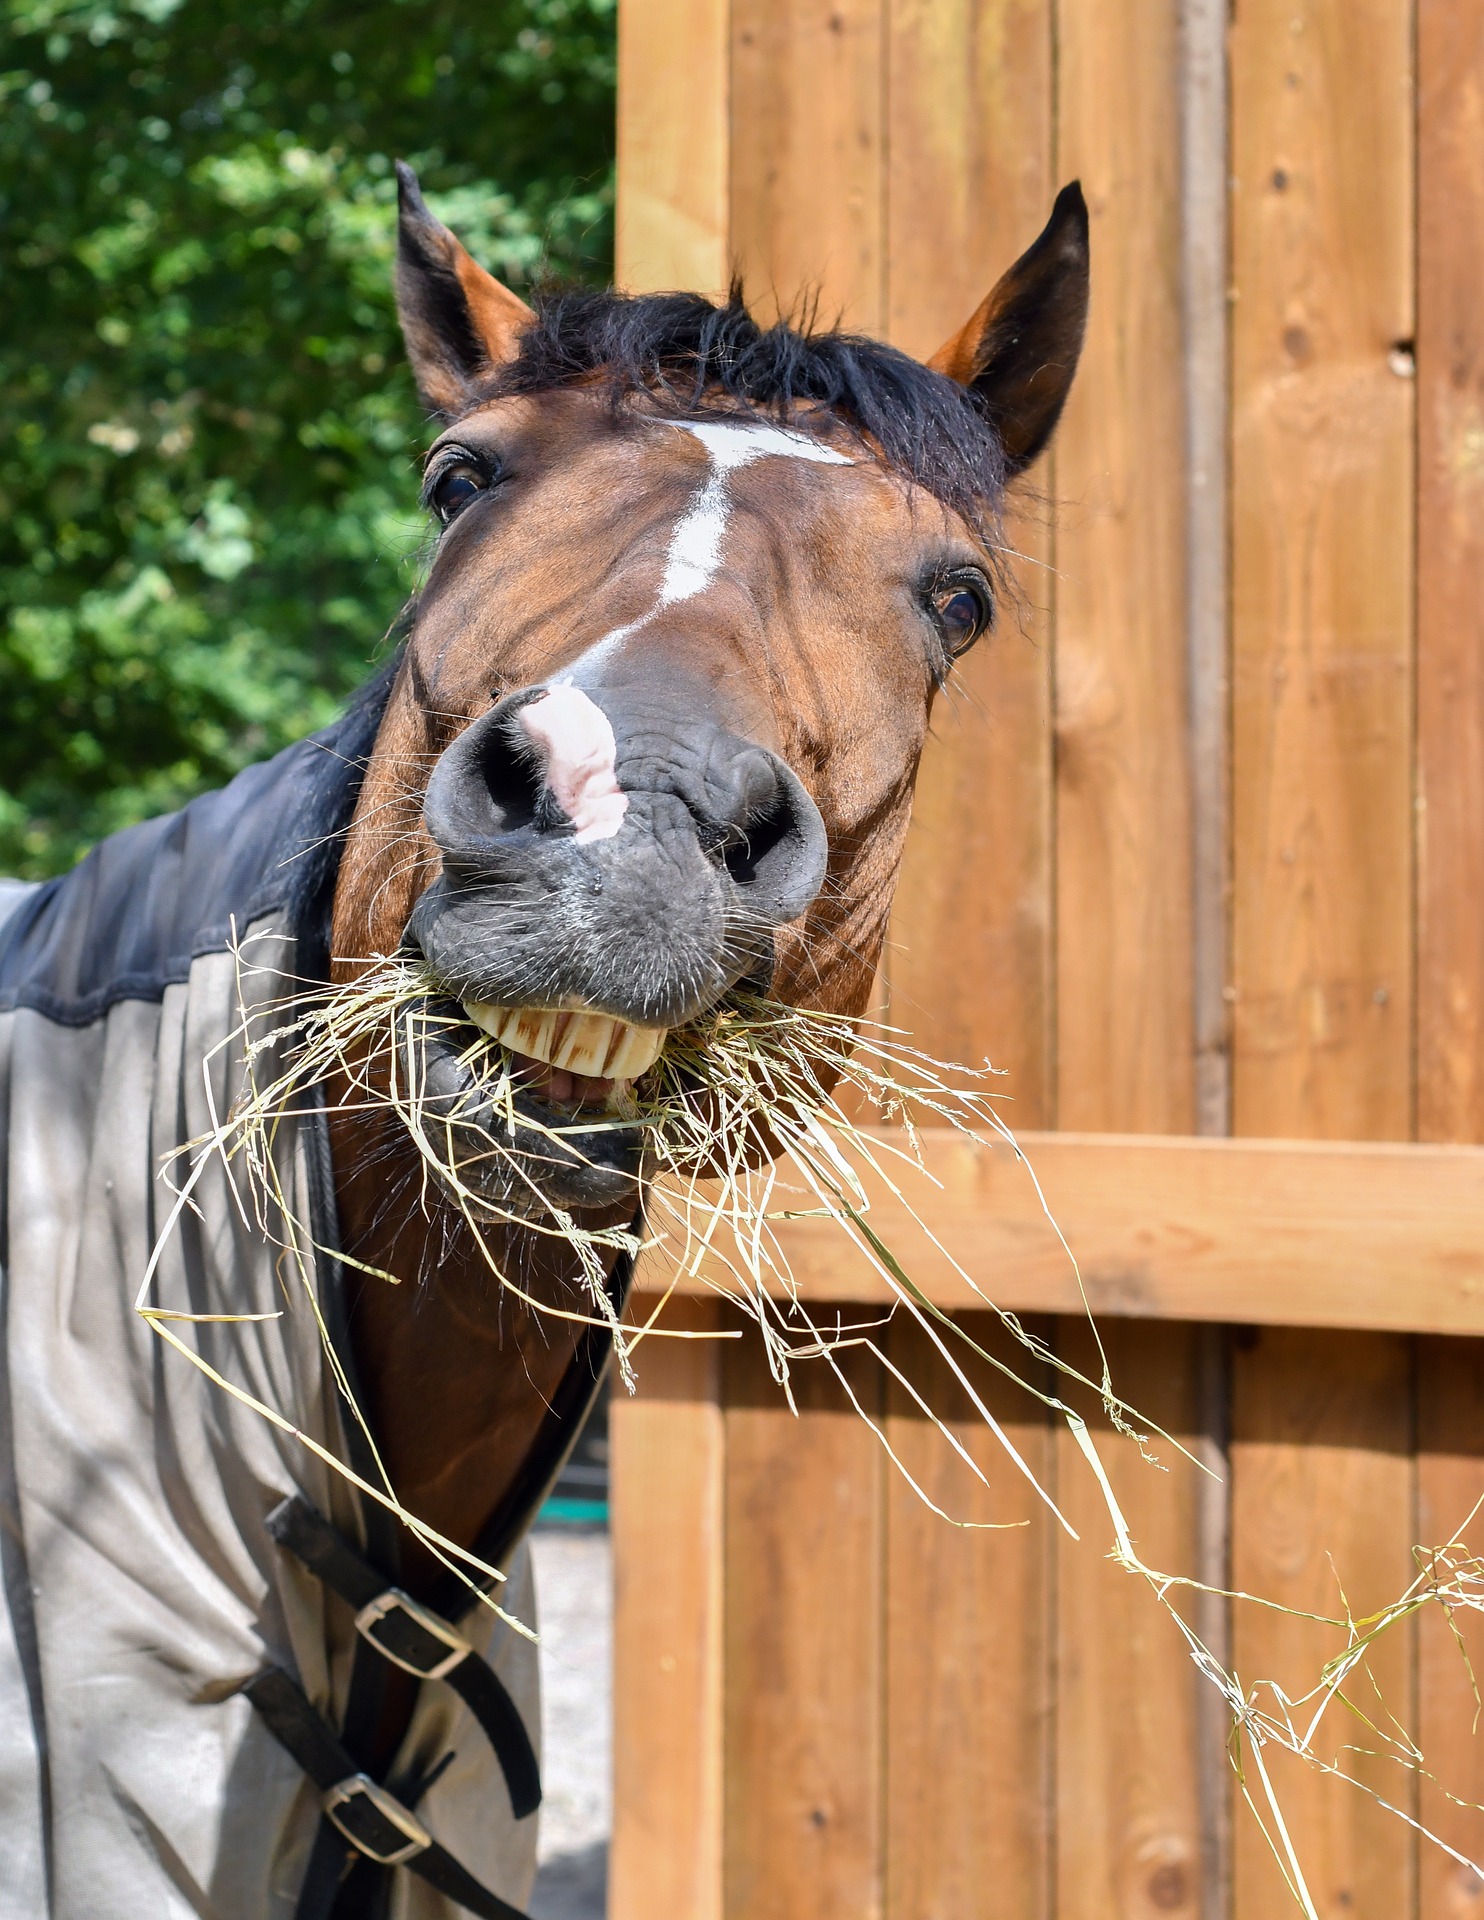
[571,1056]
[563,1134]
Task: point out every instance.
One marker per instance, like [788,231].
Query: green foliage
[208,439]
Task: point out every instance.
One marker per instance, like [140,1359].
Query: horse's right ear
[459,323]
[1020,349]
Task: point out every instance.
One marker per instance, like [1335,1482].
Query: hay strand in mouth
[743,1128]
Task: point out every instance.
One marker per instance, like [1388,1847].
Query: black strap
[374,1821]
[501,1532]
[414,1638]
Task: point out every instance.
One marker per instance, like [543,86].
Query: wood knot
[1169,1886]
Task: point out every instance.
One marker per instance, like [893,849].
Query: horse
[646,740]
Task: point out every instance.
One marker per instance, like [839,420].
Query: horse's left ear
[1020,349]
[457,320]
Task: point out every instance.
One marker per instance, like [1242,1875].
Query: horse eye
[963,611]
[454,488]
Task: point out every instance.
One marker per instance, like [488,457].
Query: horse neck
[457,1372]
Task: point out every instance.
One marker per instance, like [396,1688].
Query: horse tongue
[557,1085]
[561,1087]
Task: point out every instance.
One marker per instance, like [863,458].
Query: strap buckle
[397,1626]
[375,1822]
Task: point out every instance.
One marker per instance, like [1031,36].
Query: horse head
[642,765]
[697,583]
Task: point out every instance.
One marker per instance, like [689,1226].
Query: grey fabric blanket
[140,1586]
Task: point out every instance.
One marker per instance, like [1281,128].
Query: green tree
[208,464]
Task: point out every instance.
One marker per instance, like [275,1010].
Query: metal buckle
[395,1601]
[361,1787]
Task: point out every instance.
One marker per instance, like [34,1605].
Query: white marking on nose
[576,739]
[694,556]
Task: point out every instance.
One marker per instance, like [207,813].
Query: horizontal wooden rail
[1269,1232]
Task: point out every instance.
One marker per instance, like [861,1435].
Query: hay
[727,1093]
[742,1109]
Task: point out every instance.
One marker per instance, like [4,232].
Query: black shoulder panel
[130,918]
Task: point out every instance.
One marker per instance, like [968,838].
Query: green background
[208,440]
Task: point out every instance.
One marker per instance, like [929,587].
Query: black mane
[691,356]
[312,862]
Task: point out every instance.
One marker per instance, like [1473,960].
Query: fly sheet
[142,1585]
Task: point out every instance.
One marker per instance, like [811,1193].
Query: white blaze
[694,557]
[695,545]
[573,732]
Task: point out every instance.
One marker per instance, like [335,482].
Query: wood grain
[803,1637]
[1450,582]
[1322,567]
[1205,171]
[1283,1232]
[671,216]
[807,157]
[969,185]
[1322,1511]
[1450,1483]
[1124,1025]
[667,1490]
[1323,582]
[968,179]
[1128,1838]
[968,1819]
[1450,931]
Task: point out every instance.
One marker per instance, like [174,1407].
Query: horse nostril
[716,841]
[512,774]
[774,846]
[747,847]
[489,783]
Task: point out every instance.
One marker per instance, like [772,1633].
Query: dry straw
[741,1118]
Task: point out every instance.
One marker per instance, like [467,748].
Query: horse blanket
[142,1585]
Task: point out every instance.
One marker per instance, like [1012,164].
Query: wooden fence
[1198,853]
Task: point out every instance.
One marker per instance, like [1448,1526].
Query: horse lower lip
[590,1046]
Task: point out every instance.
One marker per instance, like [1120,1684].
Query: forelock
[689,356]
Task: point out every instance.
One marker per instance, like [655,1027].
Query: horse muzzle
[624,855]
[613,866]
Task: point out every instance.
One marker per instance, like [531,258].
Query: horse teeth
[594,1044]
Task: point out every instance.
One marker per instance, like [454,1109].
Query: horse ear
[457,320]
[1019,351]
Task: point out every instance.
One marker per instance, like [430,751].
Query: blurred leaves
[208,463]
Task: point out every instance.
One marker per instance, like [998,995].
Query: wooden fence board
[1124,1032]
[968,1645]
[667,1576]
[1322,823]
[1322,567]
[969,185]
[1450,1481]
[803,1638]
[672,217]
[1285,1232]
[968,179]
[1322,1502]
[807,142]
[1450,584]
[881,1755]
[1128,1834]
[1205,173]
[1209,1611]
